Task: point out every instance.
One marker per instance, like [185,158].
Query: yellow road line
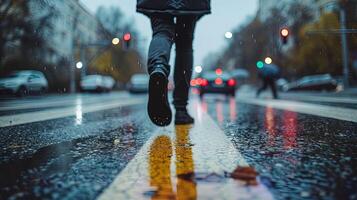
[169,163]
[38,116]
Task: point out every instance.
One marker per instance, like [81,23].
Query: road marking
[53,101]
[49,114]
[166,165]
[345,114]
[324,99]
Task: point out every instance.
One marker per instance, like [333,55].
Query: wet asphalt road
[77,156]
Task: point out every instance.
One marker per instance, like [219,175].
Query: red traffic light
[127,36]
[284,32]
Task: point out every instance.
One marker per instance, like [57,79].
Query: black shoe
[183,118]
[158,106]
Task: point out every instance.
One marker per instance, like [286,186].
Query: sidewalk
[349,92]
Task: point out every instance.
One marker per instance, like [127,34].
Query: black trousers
[168,30]
[271,83]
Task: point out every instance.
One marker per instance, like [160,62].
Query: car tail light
[198,81]
[204,82]
[193,82]
[231,82]
[218,81]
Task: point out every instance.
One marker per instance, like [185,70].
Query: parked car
[97,83]
[138,83]
[280,83]
[23,82]
[216,82]
[323,82]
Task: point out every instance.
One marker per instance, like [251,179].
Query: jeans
[166,32]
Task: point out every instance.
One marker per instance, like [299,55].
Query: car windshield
[14,75]
[316,78]
[91,78]
[213,75]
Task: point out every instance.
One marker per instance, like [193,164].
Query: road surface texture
[103,146]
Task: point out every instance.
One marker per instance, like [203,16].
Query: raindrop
[116,141]
[304,194]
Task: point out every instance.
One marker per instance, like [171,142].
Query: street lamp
[115,41]
[228,35]
[268,60]
[198,69]
[284,33]
[79,65]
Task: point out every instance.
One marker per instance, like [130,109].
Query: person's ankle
[160,69]
[181,109]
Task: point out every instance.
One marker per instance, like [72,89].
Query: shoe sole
[158,105]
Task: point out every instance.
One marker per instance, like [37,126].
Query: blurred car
[216,82]
[280,83]
[138,83]
[323,82]
[23,82]
[97,83]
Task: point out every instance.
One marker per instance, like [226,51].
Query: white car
[97,83]
[139,83]
[23,82]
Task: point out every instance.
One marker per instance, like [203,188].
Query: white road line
[210,152]
[325,99]
[52,102]
[345,114]
[37,116]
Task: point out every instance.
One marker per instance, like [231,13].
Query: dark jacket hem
[173,12]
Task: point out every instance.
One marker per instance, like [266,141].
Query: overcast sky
[226,16]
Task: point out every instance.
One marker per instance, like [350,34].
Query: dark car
[323,82]
[216,82]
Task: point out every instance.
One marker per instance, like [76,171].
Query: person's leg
[262,88]
[158,67]
[273,88]
[163,28]
[185,27]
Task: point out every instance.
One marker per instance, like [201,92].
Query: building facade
[72,25]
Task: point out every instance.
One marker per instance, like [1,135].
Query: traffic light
[260,64]
[284,34]
[127,39]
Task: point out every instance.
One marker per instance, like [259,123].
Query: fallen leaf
[246,174]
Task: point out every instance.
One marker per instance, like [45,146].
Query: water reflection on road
[161,153]
[298,155]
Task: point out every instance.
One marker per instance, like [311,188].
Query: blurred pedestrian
[172,21]
[268,74]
